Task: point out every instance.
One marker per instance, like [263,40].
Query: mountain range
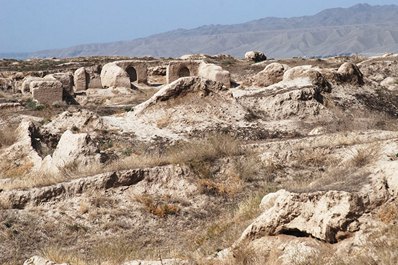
[361,29]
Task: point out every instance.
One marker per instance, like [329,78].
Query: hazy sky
[30,25]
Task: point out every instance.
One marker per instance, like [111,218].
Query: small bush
[364,156]
[158,208]
[33,105]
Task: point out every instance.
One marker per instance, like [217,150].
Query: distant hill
[358,29]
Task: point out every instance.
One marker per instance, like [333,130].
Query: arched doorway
[132,73]
[184,71]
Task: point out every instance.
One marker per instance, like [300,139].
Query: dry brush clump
[159,207]
[365,155]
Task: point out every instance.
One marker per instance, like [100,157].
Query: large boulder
[47,92]
[307,74]
[114,76]
[255,56]
[322,215]
[215,73]
[74,148]
[350,73]
[272,73]
[391,83]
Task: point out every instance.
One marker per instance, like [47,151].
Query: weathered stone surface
[65,78]
[350,73]
[215,73]
[25,87]
[320,214]
[255,56]
[136,70]
[391,83]
[94,77]
[164,180]
[272,74]
[80,78]
[193,57]
[82,119]
[113,76]
[286,99]
[37,260]
[178,69]
[158,70]
[47,92]
[158,262]
[74,148]
[179,88]
[306,72]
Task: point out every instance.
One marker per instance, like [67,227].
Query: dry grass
[57,255]
[388,213]
[224,231]
[159,208]
[365,155]
[228,187]
[7,137]
[211,148]
[197,154]
[321,169]
[22,177]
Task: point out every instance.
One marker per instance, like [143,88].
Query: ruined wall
[175,70]
[47,92]
[178,69]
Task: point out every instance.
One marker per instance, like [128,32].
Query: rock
[193,57]
[158,262]
[47,92]
[187,104]
[65,78]
[81,120]
[159,181]
[80,78]
[273,73]
[36,260]
[317,131]
[215,73]
[286,99]
[351,74]
[114,76]
[255,56]
[391,83]
[321,215]
[158,70]
[75,149]
[180,88]
[309,74]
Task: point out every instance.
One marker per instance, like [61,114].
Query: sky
[32,25]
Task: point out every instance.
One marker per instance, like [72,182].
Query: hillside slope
[359,29]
